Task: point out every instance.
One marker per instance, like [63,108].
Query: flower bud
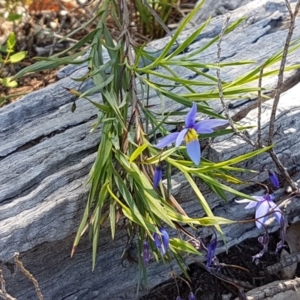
[161,241]
[274,179]
[146,253]
[157,176]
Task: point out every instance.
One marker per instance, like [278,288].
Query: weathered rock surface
[277,290]
[46,153]
[215,8]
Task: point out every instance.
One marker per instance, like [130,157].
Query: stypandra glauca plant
[140,145]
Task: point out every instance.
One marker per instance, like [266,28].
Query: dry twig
[259,144]
[286,261]
[226,110]
[278,93]
[3,293]
[29,276]
[259,102]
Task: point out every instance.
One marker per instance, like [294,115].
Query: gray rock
[215,8]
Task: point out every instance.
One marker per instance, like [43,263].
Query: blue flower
[161,241]
[190,134]
[178,298]
[264,204]
[211,252]
[274,179]
[146,253]
[191,296]
[157,176]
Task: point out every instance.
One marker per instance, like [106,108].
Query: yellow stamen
[191,136]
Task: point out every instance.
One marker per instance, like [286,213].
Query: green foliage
[7,57]
[148,23]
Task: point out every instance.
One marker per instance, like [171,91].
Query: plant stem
[278,93]
[226,110]
[281,70]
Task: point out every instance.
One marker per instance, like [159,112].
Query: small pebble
[53,25]
[226,296]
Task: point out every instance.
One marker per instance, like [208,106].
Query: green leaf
[17,57]
[198,193]
[181,80]
[127,211]
[103,159]
[131,203]
[173,39]
[153,200]
[112,218]
[209,221]
[96,233]
[101,107]
[229,93]
[51,63]
[98,87]
[230,28]
[6,81]
[161,156]
[211,181]
[182,100]
[113,102]
[83,223]
[137,152]
[11,42]
[183,246]
[189,40]
[232,161]
[14,17]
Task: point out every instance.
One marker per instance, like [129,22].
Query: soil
[46,21]
[237,271]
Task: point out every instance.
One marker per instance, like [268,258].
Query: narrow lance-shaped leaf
[184,246]
[17,57]
[137,152]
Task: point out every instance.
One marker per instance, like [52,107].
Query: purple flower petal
[167,140]
[165,240]
[162,241]
[251,204]
[260,198]
[264,206]
[270,197]
[278,214]
[191,296]
[277,211]
[157,176]
[194,151]
[206,126]
[191,116]
[242,295]
[157,240]
[146,253]
[243,201]
[274,179]
[261,210]
[181,136]
[211,252]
